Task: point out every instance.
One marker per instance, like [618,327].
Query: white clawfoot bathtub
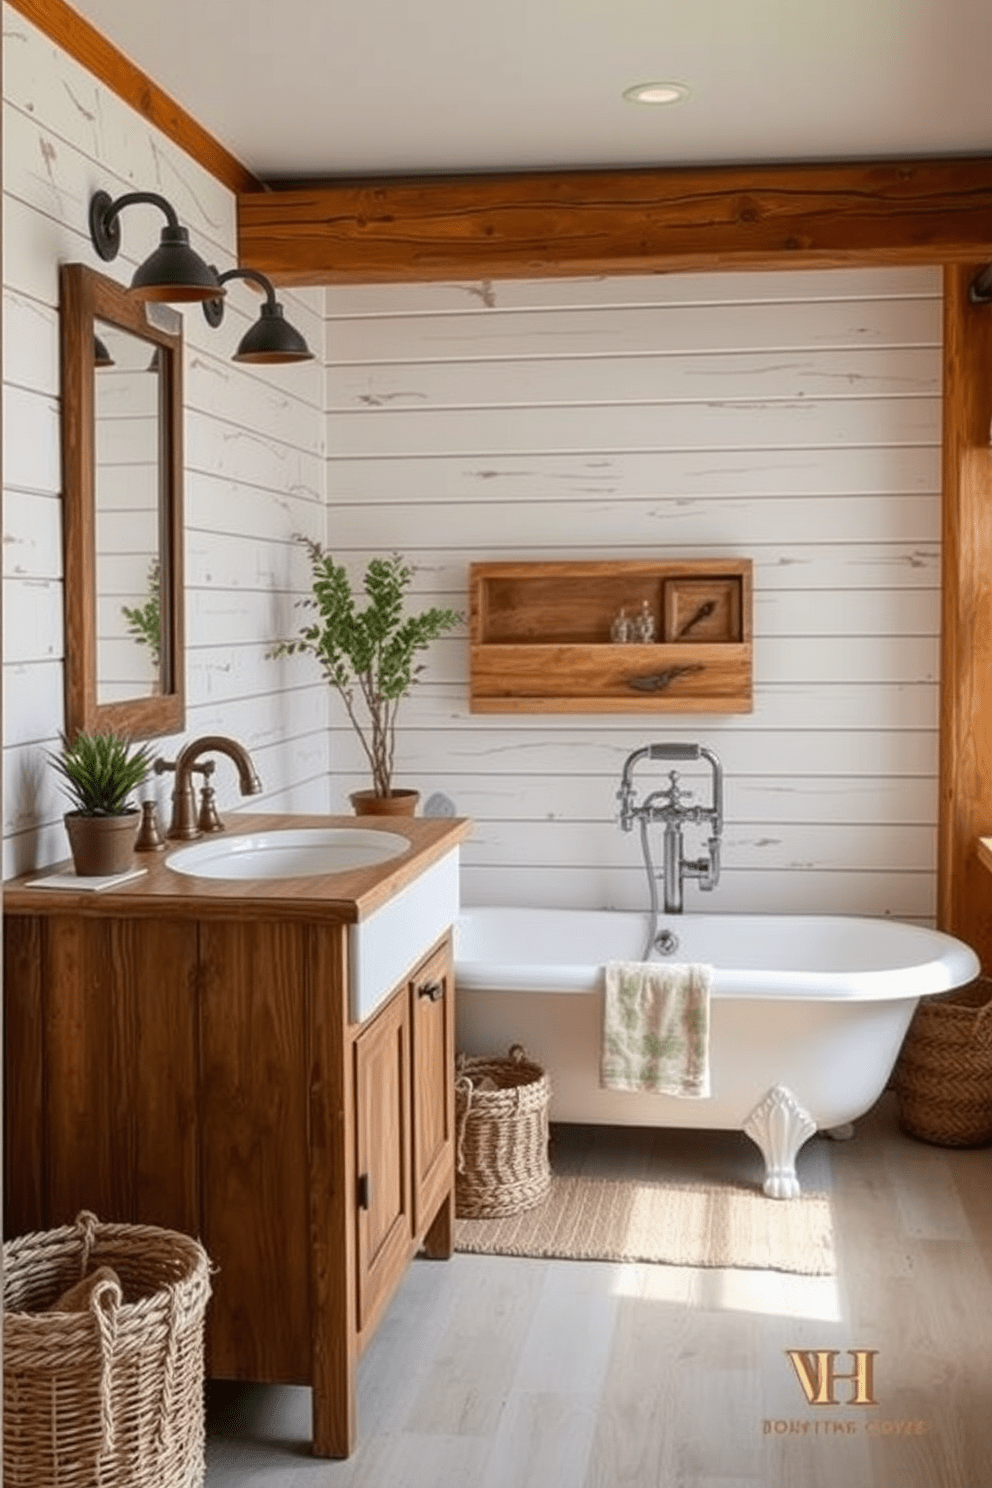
[807,1017]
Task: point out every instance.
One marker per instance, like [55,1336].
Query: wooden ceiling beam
[554,224]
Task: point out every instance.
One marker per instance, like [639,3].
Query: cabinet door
[382,1130]
[432,1021]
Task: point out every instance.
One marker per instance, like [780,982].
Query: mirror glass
[127,536]
[122,475]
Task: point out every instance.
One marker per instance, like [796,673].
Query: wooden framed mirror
[122,477]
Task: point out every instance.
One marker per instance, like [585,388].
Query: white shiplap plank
[857,612]
[724,524]
[32,535]
[30,790]
[907,895]
[32,458]
[264,720]
[32,620]
[739,424]
[606,330]
[624,475]
[889,372]
[390,301]
[261,514]
[487,752]
[30,344]
[215,560]
[236,453]
[225,674]
[216,617]
[40,846]
[783,846]
[797,707]
[442,575]
[32,702]
[218,387]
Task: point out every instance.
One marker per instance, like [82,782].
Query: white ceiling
[361,87]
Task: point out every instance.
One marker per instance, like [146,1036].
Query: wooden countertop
[343,897]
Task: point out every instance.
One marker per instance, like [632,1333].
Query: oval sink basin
[295,852]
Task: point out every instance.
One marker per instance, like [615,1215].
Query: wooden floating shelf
[542,637]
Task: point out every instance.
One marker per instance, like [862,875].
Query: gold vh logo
[817,1372]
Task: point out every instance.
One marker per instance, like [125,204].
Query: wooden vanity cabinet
[404,1137]
[203,1074]
[432,1007]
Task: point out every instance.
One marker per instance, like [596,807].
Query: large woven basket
[111,1396]
[501,1111]
[943,1077]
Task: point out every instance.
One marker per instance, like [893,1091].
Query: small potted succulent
[368,655]
[99,772]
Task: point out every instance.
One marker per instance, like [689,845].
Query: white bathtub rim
[946,963]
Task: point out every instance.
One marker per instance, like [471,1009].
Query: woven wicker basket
[112,1396]
[943,1077]
[501,1110]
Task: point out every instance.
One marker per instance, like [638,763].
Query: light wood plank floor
[509,1373]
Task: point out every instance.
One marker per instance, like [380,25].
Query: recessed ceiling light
[656,93]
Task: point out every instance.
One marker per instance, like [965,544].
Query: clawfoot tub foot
[842,1133]
[779,1126]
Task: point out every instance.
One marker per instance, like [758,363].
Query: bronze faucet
[184,822]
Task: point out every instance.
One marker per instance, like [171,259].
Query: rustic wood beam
[965,885]
[556,224]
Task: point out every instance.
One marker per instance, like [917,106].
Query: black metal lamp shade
[271,339]
[174,272]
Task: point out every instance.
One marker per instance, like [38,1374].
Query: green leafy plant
[368,654]
[144,622]
[100,771]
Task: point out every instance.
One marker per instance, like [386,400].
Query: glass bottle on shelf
[644,629]
[620,630]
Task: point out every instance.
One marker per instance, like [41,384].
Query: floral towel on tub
[656,1028]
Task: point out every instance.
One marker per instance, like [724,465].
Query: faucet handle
[208,820]
[149,837]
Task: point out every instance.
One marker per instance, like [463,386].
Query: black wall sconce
[174,272]
[271,339]
[980,290]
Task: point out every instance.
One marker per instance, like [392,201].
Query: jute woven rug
[606,1219]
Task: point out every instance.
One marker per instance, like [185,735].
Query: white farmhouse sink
[292,852]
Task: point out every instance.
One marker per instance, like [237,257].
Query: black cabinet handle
[433,990]
[365,1191]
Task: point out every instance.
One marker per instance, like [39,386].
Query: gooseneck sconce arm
[271,339]
[174,272]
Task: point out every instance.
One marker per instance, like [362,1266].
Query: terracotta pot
[102,845]
[397,803]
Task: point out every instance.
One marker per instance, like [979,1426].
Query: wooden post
[964,884]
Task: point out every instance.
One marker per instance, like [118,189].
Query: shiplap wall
[792,418]
[255,466]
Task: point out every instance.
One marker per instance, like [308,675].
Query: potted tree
[368,655]
[99,772]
